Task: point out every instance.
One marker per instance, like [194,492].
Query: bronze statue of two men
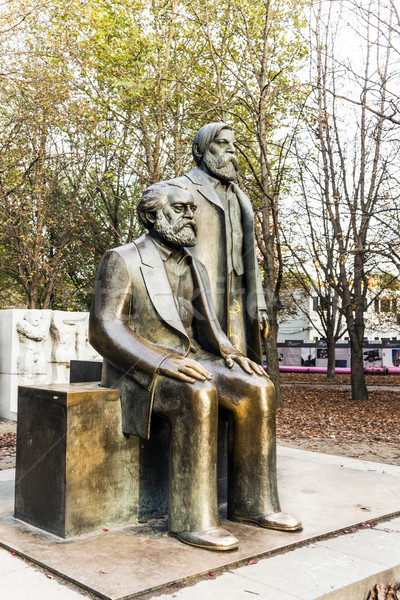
[176,315]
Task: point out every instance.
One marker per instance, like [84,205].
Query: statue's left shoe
[214,538]
[277,520]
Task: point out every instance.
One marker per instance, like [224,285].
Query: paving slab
[333,569]
[312,572]
[392,525]
[328,493]
[21,581]
[380,547]
[232,586]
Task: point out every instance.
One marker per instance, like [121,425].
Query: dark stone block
[39,499]
[76,471]
[85,370]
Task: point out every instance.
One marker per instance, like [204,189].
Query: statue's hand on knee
[184,369]
[247,365]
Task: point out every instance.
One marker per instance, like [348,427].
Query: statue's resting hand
[184,369]
[247,365]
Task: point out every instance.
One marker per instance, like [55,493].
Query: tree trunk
[32,303]
[359,392]
[272,359]
[33,295]
[47,301]
[331,357]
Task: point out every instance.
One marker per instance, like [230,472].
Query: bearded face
[181,233]
[223,167]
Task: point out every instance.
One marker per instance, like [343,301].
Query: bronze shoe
[212,539]
[278,520]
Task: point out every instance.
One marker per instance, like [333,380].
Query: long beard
[224,167]
[182,233]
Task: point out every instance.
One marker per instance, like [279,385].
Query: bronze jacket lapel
[157,284]
[203,186]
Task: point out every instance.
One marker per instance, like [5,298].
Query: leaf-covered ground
[319,415]
[7,444]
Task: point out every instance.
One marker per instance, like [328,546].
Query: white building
[299,320]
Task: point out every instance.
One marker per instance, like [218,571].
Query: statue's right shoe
[276,520]
[216,539]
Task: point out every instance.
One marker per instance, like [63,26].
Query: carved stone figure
[32,330]
[63,333]
[154,322]
[69,334]
[225,238]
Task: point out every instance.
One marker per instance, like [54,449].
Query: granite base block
[76,471]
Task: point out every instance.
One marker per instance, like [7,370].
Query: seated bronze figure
[153,321]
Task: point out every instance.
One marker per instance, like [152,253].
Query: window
[385,305]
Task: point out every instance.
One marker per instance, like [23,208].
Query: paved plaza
[351,540]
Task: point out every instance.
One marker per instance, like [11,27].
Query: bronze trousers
[247,401]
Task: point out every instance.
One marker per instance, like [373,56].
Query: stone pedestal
[76,471]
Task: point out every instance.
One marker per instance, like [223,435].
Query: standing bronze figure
[154,322]
[226,239]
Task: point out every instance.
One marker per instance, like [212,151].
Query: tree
[83,130]
[39,203]
[123,101]
[383,17]
[348,171]
[303,248]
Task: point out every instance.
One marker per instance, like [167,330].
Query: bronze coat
[210,249]
[134,324]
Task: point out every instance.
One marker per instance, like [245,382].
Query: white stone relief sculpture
[63,333]
[36,346]
[70,336]
[33,331]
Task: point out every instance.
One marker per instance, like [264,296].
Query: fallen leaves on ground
[7,450]
[8,441]
[383,592]
[322,412]
[321,378]
[312,412]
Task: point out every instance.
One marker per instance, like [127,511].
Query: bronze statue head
[213,150]
[167,211]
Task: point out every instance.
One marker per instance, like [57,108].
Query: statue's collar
[166,251]
[212,180]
